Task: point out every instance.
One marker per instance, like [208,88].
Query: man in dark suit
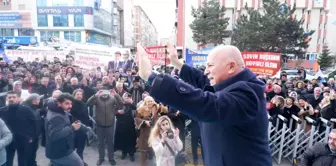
[231,112]
[115,65]
[127,63]
[121,62]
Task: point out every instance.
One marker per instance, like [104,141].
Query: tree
[209,24]
[325,60]
[274,29]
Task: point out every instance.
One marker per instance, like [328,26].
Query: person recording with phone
[165,141]
[60,132]
[107,103]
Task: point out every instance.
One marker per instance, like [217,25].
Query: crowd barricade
[187,143]
[91,135]
[289,138]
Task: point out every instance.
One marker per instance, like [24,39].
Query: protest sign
[265,63]
[90,58]
[157,55]
[30,55]
[194,59]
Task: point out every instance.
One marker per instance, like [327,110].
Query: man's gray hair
[31,98]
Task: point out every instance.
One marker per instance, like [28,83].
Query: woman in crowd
[146,116]
[79,112]
[165,142]
[125,135]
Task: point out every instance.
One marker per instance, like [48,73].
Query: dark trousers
[125,153]
[32,150]
[195,139]
[106,135]
[80,141]
[21,146]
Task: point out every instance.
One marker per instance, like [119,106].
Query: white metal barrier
[289,138]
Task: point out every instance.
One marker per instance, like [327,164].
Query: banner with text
[194,59]
[30,55]
[92,58]
[265,63]
[157,55]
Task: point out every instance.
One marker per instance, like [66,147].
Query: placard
[265,63]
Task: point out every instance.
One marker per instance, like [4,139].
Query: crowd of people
[305,98]
[66,102]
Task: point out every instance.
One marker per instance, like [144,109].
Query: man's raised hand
[145,67]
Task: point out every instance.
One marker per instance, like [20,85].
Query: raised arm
[193,76]
[207,106]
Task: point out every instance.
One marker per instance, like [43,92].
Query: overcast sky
[161,13]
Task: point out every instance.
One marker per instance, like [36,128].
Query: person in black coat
[195,140]
[125,135]
[33,102]
[79,112]
[22,123]
[227,99]
[178,121]
[60,132]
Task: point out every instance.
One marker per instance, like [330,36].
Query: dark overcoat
[232,114]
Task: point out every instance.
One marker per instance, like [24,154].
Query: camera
[170,134]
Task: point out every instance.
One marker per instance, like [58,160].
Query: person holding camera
[60,132]
[107,103]
[146,115]
[165,142]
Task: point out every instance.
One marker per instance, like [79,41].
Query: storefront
[19,40]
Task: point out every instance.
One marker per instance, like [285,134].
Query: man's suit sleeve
[236,106]
[193,76]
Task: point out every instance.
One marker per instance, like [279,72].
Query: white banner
[85,56]
[90,58]
[30,55]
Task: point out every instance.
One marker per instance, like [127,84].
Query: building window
[74,36]
[6,32]
[41,3]
[42,20]
[79,20]
[60,20]
[78,3]
[47,35]
[26,32]
[60,2]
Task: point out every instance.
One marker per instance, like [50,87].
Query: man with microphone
[227,100]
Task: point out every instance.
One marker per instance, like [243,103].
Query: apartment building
[91,21]
[145,31]
[127,23]
[319,15]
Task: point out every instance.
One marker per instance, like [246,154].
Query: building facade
[145,31]
[127,22]
[319,16]
[84,21]
[16,21]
